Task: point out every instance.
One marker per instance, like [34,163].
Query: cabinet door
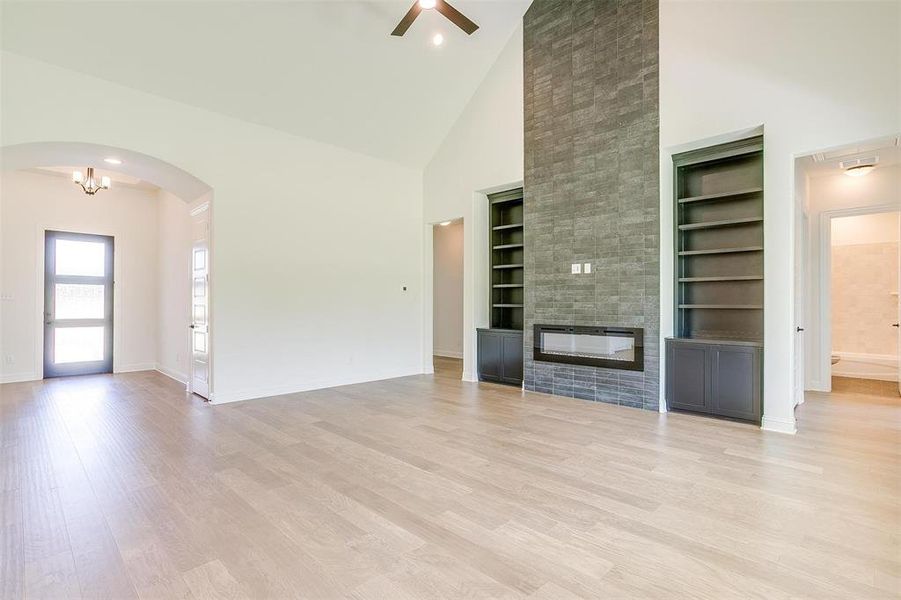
[686,377]
[490,356]
[512,363]
[735,382]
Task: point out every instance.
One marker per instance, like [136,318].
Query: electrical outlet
[586,268]
[577,268]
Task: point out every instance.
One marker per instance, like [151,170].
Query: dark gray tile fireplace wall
[592,186]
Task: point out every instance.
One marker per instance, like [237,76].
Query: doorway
[78,304]
[863,269]
[447,298]
[856,180]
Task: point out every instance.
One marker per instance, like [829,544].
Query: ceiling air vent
[858,162]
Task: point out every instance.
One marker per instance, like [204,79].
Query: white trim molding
[134,368]
[172,374]
[779,425]
[18,377]
[824,281]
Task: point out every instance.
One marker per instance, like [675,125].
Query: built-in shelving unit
[500,346]
[714,360]
[719,243]
[506,251]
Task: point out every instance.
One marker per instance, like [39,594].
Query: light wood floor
[429,487]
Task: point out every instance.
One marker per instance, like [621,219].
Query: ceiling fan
[452,14]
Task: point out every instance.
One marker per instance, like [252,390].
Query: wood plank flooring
[429,487]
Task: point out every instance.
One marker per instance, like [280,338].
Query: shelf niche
[719,242]
[506,295]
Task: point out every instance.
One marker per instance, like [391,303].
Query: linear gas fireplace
[610,347]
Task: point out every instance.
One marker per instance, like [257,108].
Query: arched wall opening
[158,217]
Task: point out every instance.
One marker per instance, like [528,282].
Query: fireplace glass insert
[611,347]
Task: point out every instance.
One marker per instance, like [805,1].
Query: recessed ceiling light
[437,39]
[427,4]
[112,161]
[859,171]
[444,223]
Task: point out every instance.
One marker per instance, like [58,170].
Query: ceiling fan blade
[455,17]
[408,19]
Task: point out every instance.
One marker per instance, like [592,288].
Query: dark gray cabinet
[721,379]
[500,356]
[689,390]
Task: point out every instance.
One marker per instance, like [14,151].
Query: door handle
[192,326]
[799,329]
[894,324]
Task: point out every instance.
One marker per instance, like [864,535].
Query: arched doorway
[160,315]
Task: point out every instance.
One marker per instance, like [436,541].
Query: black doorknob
[799,329]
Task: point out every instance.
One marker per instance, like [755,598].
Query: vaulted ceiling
[328,71]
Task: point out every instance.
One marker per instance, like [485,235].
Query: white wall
[879,228]
[815,75]
[482,153]
[31,202]
[827,193]
[864,285]
[448,290]
[174,291]
[312,244]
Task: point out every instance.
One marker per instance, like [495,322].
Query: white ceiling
[134,167]
[328,71]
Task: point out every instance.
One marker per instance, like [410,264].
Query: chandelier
[89,184]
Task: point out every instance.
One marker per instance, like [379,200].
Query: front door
[78,304]
[200,306]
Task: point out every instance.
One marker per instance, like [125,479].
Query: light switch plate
[577,268]
[586,268]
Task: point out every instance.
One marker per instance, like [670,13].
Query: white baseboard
[132,368]
[817,386]
[469,376]
[778,425]
[172,374]
[447,353]
[18,377]
[306,386]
